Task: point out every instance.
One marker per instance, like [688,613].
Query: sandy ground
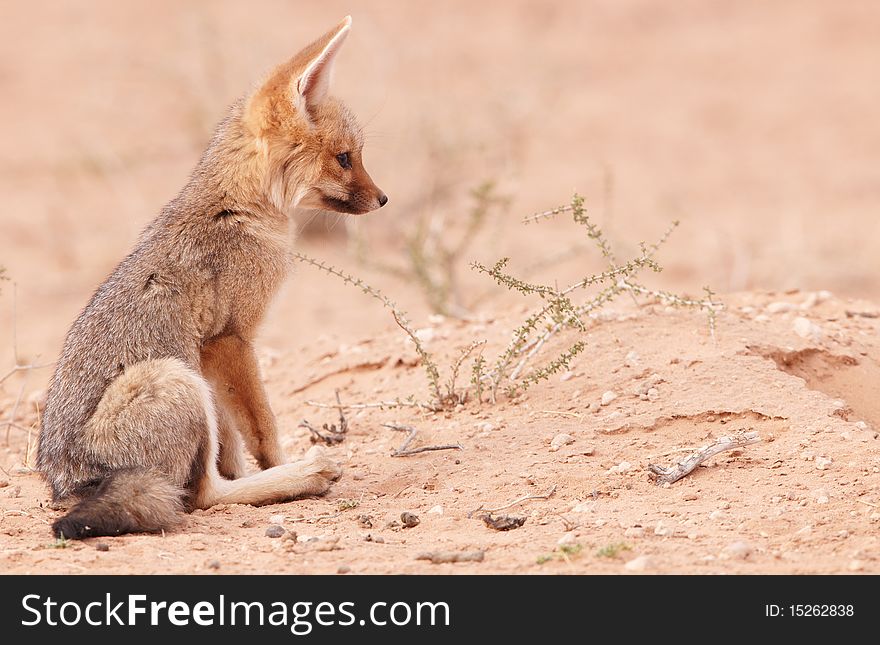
[753,123]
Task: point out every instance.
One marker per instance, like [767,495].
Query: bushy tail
[135,500]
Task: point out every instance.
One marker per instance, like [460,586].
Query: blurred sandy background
[755,123]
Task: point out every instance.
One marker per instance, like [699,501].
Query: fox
[157,389]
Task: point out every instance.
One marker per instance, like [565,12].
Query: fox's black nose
[383,199]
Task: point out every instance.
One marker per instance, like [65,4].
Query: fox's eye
[343,160]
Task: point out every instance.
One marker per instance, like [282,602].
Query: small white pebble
[780,307]
[738,550]
[560,440]
[641,563]
[663,528]
[584,507]
[276,519]
[608,397]
[436,510]
[804,328]
[634,532]
[622,467]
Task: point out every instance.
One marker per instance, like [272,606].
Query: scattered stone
[856,565]
[567,540]
[780,307]
[717,515]
[409,520]
[343,569]
[739,550]
[425,335]
[690,497]
[584,507]
[805,328]
[823,463]
[641,563]
[608,397]
[652,394]
[247,524]
[214,564]
[436,510]
[622,467]
[102,546]
[274,531]
[3,483]
[567,376]
[631,359]
[14,491]
[634,532]
[446,557]
[663,528]
[560,440]
[276,519]
[805,532]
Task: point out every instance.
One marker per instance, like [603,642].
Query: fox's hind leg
[153,415]
[160,415]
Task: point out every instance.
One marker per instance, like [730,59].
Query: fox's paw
[318,459]
[311,475]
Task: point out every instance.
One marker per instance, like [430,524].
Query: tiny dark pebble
[457,462]
[343,569]
[102,546]
[274,531]
[214,564]
[409,520]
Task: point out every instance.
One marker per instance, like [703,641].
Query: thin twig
[402,451]
[537,217]
[396,403]
[11,420]
[24,368]
[520,500]
[450,391]
[332,434]
[687,465]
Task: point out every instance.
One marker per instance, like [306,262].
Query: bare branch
[687,465]
[520,500]
[403,451]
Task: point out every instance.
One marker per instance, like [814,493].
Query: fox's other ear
[313,85]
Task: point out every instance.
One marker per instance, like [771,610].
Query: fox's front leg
[230,364]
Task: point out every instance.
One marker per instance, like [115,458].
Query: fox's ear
[313,85]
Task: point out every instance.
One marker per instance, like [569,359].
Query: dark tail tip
[127,501]
[70,528]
